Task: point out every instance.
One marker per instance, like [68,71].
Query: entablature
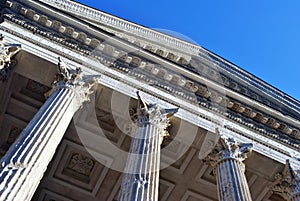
[76,33]
[185,54]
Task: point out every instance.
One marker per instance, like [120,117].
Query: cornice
[172,42]
[156,75]
[124,25]
[235,78]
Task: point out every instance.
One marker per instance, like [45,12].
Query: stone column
[141,174]
[25,162]
[226,158]
[6,54]
[287,184]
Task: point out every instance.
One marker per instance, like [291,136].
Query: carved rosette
[73,79]
[287,184]
[6,54]
[228,148]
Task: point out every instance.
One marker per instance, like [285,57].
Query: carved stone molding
[115,22]
[287,183]
[6,54]
[124,25]
[228,148]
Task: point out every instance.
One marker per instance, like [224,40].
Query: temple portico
[94,107]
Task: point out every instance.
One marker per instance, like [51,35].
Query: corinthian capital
[67,77]
[152,114]
[287,184]
[228,148]
[7,51]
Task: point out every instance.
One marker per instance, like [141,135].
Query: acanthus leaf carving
[287,183]
[228,148]
[67,77]
[152,114]
[7,51]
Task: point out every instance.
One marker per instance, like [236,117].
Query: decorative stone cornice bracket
[287,183]
[228,148]
[7,51]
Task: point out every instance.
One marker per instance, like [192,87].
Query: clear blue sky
[260,36]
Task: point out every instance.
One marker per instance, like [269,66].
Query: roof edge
[93,14]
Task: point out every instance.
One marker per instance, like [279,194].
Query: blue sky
[260,36]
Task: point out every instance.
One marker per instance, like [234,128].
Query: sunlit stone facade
[94,107]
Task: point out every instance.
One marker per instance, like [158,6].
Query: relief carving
[81,164]
[95,43]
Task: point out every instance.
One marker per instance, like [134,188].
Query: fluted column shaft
[142,166]
[227,159]
[231,181]
[27,159]
[141,175]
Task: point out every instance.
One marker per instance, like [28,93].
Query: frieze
[152,47]
[112,21]
[149,72]
[206,69]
